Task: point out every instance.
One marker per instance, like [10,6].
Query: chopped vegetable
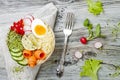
[40,54]
[27,53]
[98,45]
[95,7]
[14,42]
[83,40]
[32,61]
[78,54]
[91,68]
[18,27]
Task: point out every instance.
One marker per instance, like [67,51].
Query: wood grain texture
[110,54]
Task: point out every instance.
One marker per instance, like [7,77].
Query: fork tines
[69,20]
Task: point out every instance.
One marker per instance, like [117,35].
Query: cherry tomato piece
[12,28]
[21,32]
[20,23]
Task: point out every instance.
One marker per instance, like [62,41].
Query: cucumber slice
[16,47]
[18,54]
[24,62]
[15,50]
[18,58]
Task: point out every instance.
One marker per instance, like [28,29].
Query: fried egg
[39,28]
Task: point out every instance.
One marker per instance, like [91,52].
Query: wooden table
[109,54]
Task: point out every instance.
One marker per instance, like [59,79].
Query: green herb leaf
[86,22]
[95,7]
[98,30]
[93,34]
[91,68]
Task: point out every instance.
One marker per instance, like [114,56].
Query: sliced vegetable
[27,53]
[27,43]
[98,45]
[40,54]
[23,62]
[29,16]
[95,6]
[27,28]
[78,54]
[32,61]
[18,58]
[27,21]
[33,39]
[91,68]
[16,54]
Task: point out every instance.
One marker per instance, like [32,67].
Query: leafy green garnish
[86,22]
[98,30]
[116,30]
[17,69]
[116,73]
[95,7]
[93,34]
[91,68]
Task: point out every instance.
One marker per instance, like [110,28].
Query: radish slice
[78,54]
[29,16]
[27,28]
[28,32]
[27,21]
[98,45]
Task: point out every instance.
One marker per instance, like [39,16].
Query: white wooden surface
[79,7]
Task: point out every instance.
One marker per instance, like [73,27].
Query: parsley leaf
[91,68]
[95,7]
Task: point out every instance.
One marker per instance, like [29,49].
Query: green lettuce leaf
[91,68]
[95,7]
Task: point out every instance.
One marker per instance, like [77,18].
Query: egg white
[36,22]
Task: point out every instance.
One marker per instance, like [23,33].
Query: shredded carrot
[32,61]
[40,54]
[27,53]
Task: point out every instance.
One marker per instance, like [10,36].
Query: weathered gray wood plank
[79,7]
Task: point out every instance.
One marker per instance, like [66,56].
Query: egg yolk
[40,30]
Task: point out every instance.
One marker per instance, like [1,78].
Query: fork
[67,32]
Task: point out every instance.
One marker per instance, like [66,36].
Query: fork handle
[60,68]
[64,50]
